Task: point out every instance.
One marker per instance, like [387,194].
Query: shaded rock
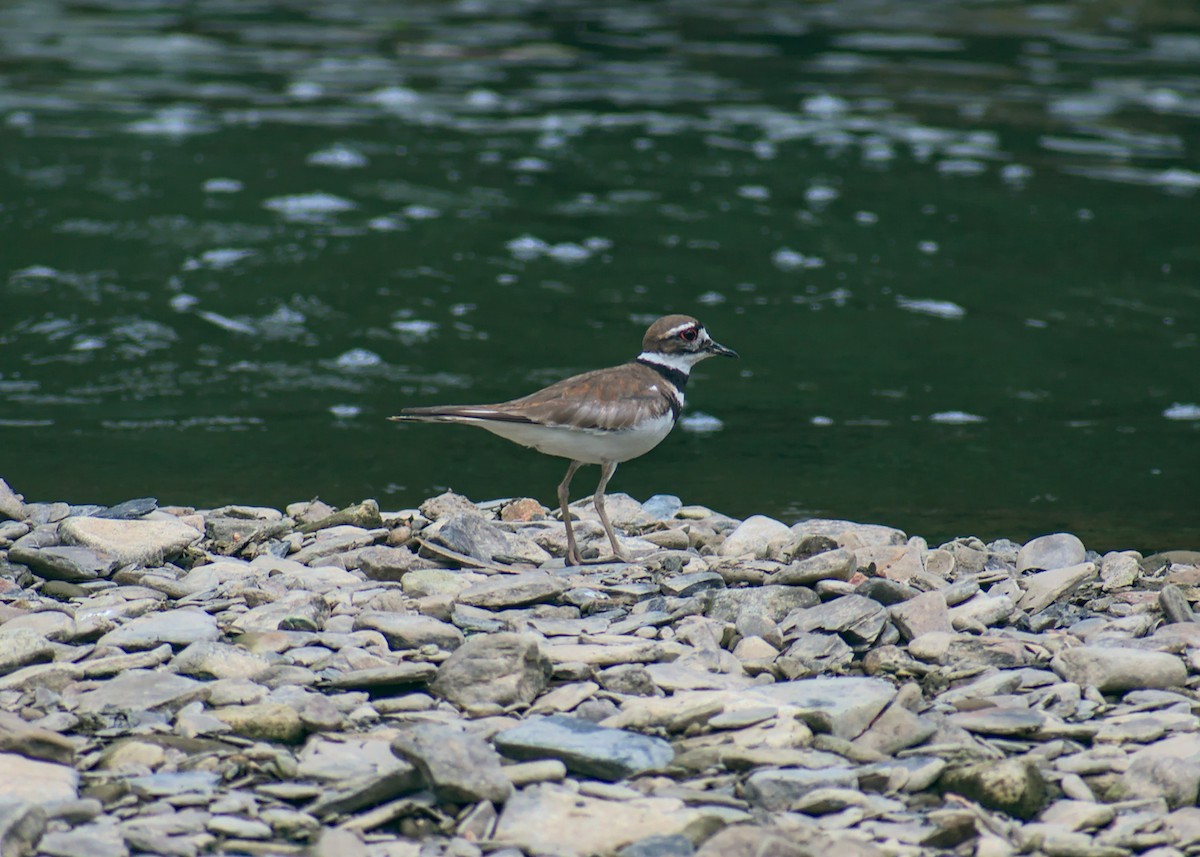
[1014,786]
[1175,605]
[516,590]
[502,669]
[1058,550]
[584,747]
[457,766]
[180,627]
[675,845]
[70,563]
[894,730]
[1113,670]
[447,505]
[1043,589]
[829,565]
[390,677]
[552,819]
[146,543]
[755,536]
[411,632]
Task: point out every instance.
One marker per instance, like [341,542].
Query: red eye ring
[688,335]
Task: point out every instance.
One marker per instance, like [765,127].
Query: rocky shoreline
[433,681]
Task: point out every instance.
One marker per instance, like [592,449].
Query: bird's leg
[606,471]
[564,488]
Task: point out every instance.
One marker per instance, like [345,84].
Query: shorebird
[602,417]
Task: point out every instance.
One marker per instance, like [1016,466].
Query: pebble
[335,682]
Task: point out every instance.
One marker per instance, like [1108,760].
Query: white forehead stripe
[679,328]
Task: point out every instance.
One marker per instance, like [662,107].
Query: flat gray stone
[512,590]
[501,669]
[1046,587]
[180,627]
[1009,721]
[71,563]
[146,543]
[1114,670]
[140,690]
[410,632]
[11,503]
[841,705]
[1057,550]
[584,747]
[457,766]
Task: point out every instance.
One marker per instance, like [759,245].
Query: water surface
[956,245]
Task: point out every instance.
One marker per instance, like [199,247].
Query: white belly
[590,447]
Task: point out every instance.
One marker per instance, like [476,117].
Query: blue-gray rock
[584,747]
[843,705]
[129,509]
[21,826]
[180,628]
[683,585]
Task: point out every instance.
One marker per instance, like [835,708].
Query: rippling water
[957,245]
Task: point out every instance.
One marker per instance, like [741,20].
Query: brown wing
[605,400]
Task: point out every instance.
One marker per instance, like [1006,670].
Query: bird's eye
[688,335]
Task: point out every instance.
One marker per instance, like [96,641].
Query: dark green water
[957,244]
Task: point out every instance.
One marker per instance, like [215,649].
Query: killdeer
[602,417]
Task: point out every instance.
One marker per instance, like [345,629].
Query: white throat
[678,362]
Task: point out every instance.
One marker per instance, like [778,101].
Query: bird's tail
[455,414]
